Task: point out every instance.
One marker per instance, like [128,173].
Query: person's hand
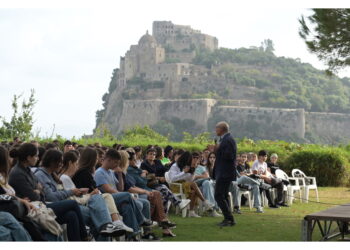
[28,205]
[148,193]
[76,192]
[84,190]
[118,170]
[186,169]
[37,191]
[161,179]
[95,191]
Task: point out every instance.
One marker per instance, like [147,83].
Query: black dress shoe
[274,206]
[237,211]
[167,224]
[227,223]
[283,205]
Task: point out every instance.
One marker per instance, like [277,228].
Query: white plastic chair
[240,193]
[291,188]
[180,194]
[309,183]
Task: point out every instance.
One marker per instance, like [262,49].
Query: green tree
[327,34]
[22,121]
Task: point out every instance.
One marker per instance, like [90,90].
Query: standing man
[224,170]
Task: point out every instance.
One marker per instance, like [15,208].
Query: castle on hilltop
[158,80]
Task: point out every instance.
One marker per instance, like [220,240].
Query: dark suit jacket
[224,168]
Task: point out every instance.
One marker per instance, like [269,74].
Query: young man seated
[245,182]
[260,168]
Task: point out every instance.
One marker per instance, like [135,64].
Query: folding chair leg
[317,195]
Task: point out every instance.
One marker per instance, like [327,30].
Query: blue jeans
[127,207]
[207,188]
[144,205]
[11,229]
[255,190]
[96,212]
[68,212]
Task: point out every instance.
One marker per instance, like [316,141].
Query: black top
[157,168]
[273,167]
[225,162]
[24,182]
[84,179]
[243,168]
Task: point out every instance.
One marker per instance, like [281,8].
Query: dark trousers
[221,197]
[68,212]
[279,200]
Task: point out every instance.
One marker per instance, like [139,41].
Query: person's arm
[52,194]
[107,189]
[176,175]
[229,150]
[205,175]
[120,178]
[23,187]
[137,190]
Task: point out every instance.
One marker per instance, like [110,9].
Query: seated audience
[183,171]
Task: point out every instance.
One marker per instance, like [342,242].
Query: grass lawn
[283,224]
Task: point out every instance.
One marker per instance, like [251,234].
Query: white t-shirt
[67,182]
[260,167]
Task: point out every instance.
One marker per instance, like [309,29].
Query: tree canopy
[327,34]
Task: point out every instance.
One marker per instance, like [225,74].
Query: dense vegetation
[329,164]
[282,82]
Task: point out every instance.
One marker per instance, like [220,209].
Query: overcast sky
[67,55]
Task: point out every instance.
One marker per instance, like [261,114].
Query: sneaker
[259,210]
[215,214]
[120,224]
[150,237]
[208,206]
[193,214]
[110,229]
[149,223]
[237,211]
[184,203]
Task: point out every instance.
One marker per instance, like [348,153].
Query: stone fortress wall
[271,121]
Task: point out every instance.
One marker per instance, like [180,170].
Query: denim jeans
[132,216]
[207,188]
[245,180]
[11,229]
[96,213]
[144,205]
[68,212]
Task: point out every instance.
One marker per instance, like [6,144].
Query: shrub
[329,166]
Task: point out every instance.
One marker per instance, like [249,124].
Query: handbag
[151,180]
[13,206]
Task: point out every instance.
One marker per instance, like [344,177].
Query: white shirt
[175,174]
[261,168]
[67,182]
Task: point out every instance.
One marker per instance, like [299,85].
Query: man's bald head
[221,128]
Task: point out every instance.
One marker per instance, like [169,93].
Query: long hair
[88,159]
[124,161]
[4,162]
[22,152]
[209,166]
[184,160]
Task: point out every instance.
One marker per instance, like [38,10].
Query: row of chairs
[299,183]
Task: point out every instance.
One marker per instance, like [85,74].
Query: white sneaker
[215,214]
[193,214]
[184,203]
[120,224]
[208,206]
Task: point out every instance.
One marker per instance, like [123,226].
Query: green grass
[282,224]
